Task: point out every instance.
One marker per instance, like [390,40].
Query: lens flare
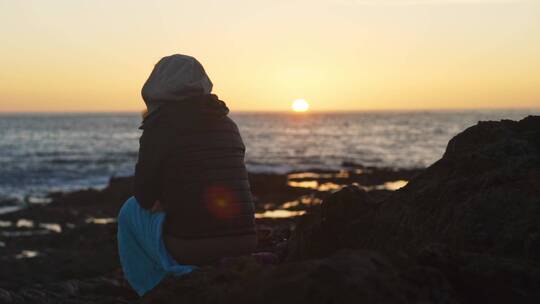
[221,202]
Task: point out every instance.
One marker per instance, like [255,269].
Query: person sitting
[192,201]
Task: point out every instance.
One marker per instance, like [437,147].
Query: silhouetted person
[190,178]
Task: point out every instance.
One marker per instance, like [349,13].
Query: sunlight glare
[300,105]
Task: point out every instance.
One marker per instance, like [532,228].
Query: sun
[300,105]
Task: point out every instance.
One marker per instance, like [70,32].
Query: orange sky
[261,55]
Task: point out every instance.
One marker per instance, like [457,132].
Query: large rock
[474,215]
[332,226]
[483,196]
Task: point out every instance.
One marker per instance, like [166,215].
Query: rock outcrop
[474,215]
[483,196]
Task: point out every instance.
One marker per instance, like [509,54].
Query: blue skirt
[144,258]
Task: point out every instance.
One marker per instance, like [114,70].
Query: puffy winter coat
[191,159]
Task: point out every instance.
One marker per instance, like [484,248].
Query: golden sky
[338,55]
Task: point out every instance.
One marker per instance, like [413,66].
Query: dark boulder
[328,228]
[474,216]
[483,196]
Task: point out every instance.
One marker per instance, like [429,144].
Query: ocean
[40,153]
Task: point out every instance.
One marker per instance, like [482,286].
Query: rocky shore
[464,230]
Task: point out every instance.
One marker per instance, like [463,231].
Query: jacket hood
[175,78]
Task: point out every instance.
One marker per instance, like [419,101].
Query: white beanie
[174,78]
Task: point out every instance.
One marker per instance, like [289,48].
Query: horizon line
[289,111]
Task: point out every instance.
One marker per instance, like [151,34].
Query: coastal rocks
[82,247]
[474,216]
[327,229]
[345,277]
[82,252]
[484,278]
[483,196]
[466,230]
[109,289]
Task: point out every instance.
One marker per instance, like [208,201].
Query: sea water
[40,153]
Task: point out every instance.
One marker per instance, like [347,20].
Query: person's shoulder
[229,122]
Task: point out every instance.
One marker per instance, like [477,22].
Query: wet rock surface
[465,230]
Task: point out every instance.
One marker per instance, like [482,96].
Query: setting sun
[300,105]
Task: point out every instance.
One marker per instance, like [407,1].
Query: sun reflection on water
[279,214]
[27,254]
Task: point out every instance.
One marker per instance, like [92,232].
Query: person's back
[191,161]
